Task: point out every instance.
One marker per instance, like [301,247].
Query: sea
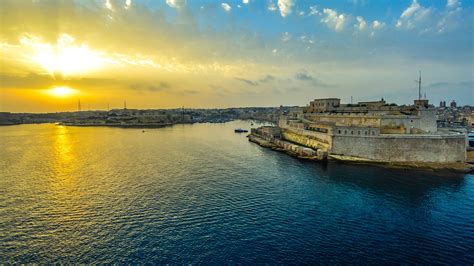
[203,194]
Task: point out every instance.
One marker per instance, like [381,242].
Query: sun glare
[61,91]
[65,56]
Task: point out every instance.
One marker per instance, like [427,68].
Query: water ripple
[202,194]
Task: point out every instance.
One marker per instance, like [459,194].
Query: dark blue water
[203,194]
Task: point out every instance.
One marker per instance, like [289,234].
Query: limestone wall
[402,148]
[308,138]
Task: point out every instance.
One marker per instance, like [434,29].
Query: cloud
[452,3]
[361,24]
[108,5]
[245,1]
[415,13]
[154,87]
[286,36]
[128,4]
[176,3]
[285,7]
[249,82]
[271,6]
[313,10]
[303,76]
[265,79]
[450,17]
[226,7]
[334,20]
[377,25]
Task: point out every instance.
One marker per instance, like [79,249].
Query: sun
[61,91]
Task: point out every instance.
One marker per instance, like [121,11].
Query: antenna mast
[419,86]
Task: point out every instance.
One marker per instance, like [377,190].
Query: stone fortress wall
[373,131]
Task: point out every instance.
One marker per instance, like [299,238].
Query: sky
[217,54]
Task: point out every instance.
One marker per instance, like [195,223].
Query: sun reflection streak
[64,159]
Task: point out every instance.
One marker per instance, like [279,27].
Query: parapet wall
[402,148]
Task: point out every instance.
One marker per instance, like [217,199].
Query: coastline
[276,145]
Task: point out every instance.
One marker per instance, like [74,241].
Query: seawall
[402,148]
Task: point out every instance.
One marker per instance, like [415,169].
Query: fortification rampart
[402,148]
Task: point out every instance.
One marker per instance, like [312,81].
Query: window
[345,131]
[339,131]
[352,132]
[358,132]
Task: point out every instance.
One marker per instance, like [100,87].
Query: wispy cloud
[412,15]
[286,7]
[334,20]
[226,7]
[176,3]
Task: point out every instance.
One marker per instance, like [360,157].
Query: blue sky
[245,53]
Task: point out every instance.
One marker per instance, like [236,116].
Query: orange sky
[173,53]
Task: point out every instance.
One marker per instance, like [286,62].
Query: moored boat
[240,130]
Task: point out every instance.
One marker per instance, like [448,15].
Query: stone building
[375,131]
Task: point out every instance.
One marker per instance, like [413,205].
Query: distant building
[453,104]
[442,104]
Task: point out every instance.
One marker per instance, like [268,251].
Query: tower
[125,104]
[79,105]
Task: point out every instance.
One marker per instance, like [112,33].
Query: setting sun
[61,91]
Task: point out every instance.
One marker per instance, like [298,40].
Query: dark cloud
[303,76]
[249,82]
[267,78]
[154,87]
[264,79]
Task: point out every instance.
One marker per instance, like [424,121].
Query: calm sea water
[203,194]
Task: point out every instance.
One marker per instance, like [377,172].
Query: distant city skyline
[209,54]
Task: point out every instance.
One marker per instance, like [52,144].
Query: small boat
[240,130]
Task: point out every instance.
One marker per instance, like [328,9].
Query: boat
[240,130]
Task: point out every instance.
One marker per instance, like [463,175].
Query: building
[374,131]
[453,104]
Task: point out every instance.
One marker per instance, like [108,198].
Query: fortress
[367,131]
